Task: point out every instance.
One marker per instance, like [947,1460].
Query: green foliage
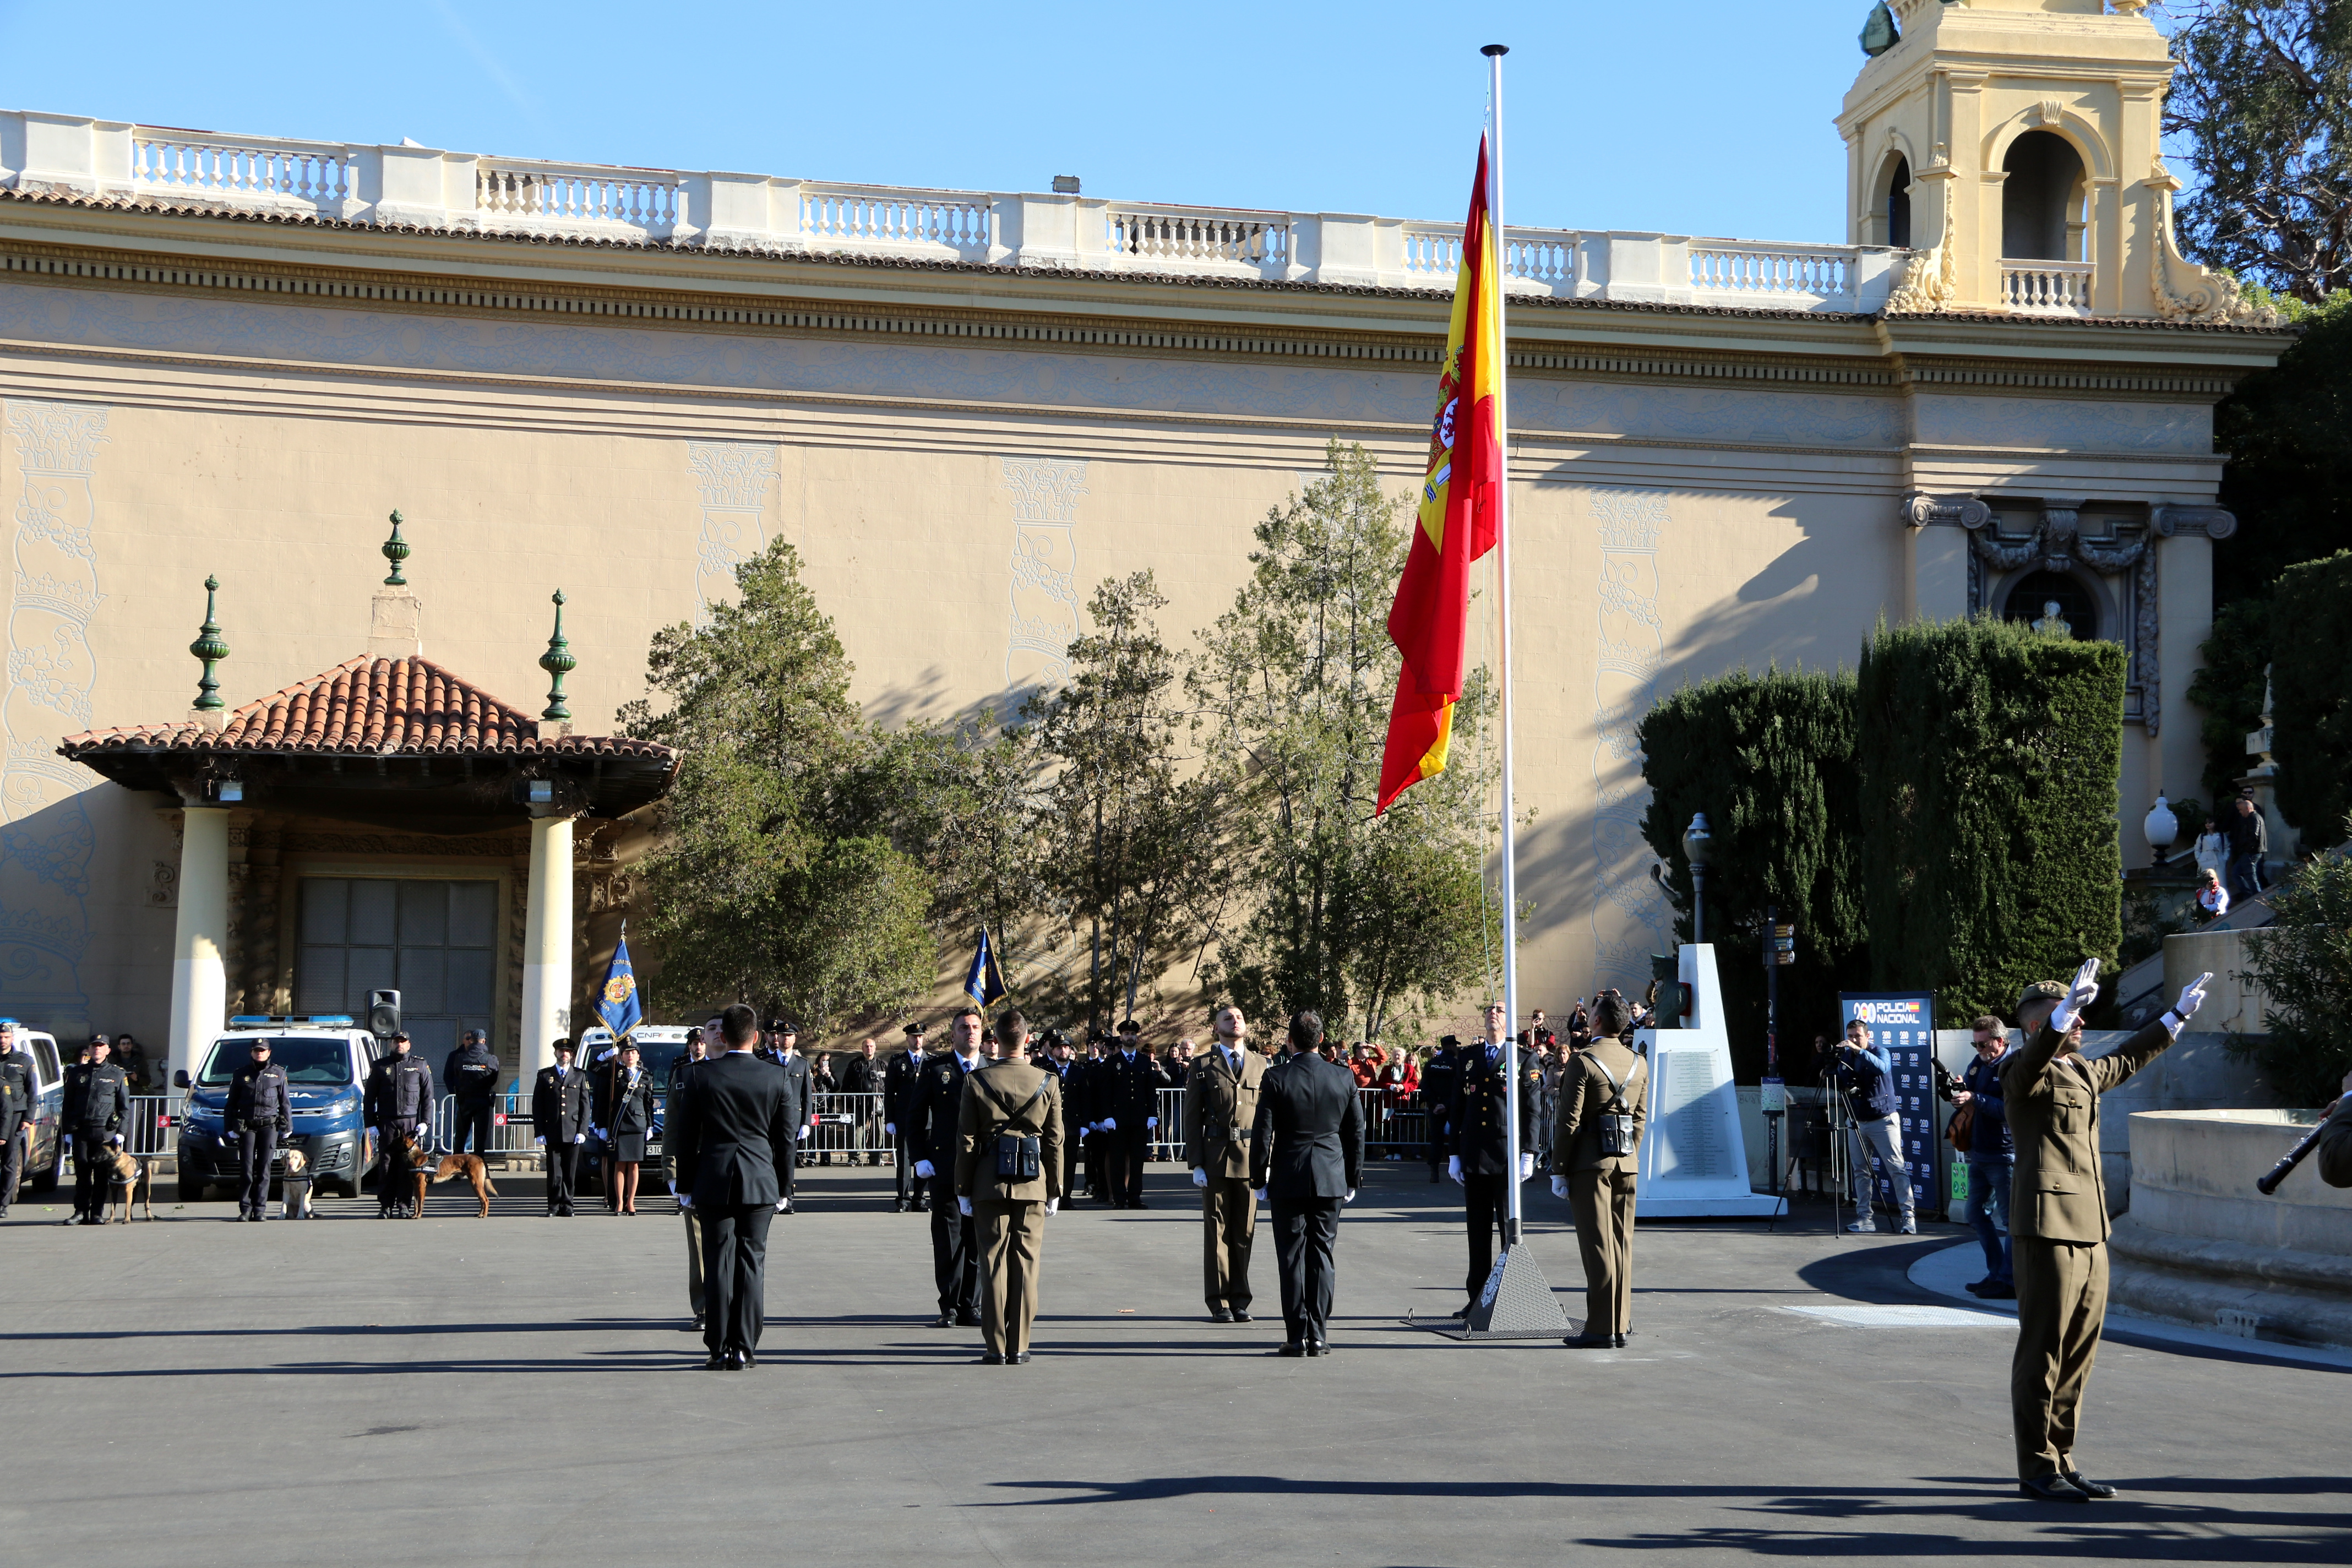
[1771,760]
[1358,916]
[2287,432]
[2228,690]
[775,882]
[2263,99]
[2311,717]
[2303,962]
[1987,756]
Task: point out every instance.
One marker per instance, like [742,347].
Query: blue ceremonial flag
[984,984]
[617,1004]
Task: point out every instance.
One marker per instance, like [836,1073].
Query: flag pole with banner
[617,1004]
[983,982]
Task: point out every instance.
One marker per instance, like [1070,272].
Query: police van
[327,1058]
[45,1157]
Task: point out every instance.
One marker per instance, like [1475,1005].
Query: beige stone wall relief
[1630,918]
[1044,568]
[734,478]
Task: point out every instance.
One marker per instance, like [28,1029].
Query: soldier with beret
[2058,1218]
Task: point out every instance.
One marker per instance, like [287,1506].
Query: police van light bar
[295,1020]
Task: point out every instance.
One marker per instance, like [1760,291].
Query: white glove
[2193,996]
[800,1134]
[1109,1124]
[1200,1177]
[1150,1122]
[577,1137]
[783,1204]
[1259,1195]
[1527,1165]
[891,1128]
[540,1141]
[1559,1186]
[686,1200]
[2085,991]
[963,1207]
[1350,1196]
[115,1139]
[923,1169]
[1453,1168]
[1053,1203]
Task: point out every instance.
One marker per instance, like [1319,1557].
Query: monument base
[1755,1205]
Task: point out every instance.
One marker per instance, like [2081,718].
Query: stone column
[200,941]
[2184,592]
[546,943]
[1936,555]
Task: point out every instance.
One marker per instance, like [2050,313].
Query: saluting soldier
[934,1127]
[1008,1178]
[1480,1161]
[18,1088]
[2058,1218]
[261,1109]
[1128,1100]
[559,1118]
[97,1103]
[1595,1147]
[1221,1096]
[902,1080]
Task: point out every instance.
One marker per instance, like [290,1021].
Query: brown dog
[132,1179]
[469,1166]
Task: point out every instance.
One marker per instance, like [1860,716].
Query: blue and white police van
[45,1154]
[327,1058]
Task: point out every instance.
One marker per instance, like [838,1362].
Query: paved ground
[517,1390]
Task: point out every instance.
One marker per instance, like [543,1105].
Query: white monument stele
[1694,1162]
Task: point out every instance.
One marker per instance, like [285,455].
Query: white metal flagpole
[1512,1153]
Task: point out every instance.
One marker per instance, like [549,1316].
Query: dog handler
[399,1100]
[96,1104]
[263,1113]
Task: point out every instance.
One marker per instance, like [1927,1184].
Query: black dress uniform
[798,1104]
[1094,1145]
[96,1104]
[262,1112]
[399,1100]
[559,1113]
[955,1253]
[902,1079]
[1127,1095]
[1439,1080]
[1072,1089]
[470,1075]
[1476,1135]
[18,1088]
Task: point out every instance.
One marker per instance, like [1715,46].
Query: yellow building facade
[234,355]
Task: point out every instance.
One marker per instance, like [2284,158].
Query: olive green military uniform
[2335,1151]
[1600,1186]
[1009,1216]
[1220,1109]
[2058,1229]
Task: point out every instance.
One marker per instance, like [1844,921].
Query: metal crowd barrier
[1395,1126]
[848,1125]
[152,1128]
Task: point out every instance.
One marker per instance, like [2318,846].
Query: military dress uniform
[902,1079]
[2334,1150]
[1600,1185]
[261,1109]
[96,1104]
[559,1116]
[934,1127]
[18,1088]
[2058,1232]
[1127,1095]
[1008,1098]
[1475,1133]
[1071,1088]
[1221,1096]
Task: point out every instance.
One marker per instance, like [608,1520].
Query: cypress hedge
[2311,717]
[1986,755]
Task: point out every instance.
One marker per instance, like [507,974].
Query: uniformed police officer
[18,1088]
[1596,1137]
[2058,1218]
[1009,1100]
[902,1079]
[800,1098]
[96,1104]
[399,1102]
[470,1075]
[1127,1107]
[1439,1080]
[262,1113]
[1480,1160]
[933,1127]
[1221,1098]
[558,1119]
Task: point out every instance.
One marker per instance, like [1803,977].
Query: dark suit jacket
[902,1077]
[1309,1137]
[559,1106]
[729,1135]
[797,1104]
[939,1101]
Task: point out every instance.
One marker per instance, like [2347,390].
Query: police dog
[296,1186]
[131,1179]
[471,1168]
[405,1176]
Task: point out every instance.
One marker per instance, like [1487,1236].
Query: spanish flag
[1460,501]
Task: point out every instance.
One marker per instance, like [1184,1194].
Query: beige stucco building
[233,355]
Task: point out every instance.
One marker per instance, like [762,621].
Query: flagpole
[1495,53]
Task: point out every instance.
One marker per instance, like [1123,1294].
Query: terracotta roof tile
[369,707]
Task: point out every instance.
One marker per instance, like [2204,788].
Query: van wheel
[191,1192]
[47,1181]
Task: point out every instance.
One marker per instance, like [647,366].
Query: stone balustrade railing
[2046,288]
[427,189]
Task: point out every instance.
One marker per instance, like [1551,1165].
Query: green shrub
[2311,717]
[2303,962]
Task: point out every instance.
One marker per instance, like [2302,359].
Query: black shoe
[735,1361]
[1138,1203]
[1978,1287]
[897,1208]
[716,1364]
[990,1359]
[1590,1342]
[1462,1312]
[1619,1342]
[693,1326]
[747,1360]
[2086,1486]
[944,1321]
[1018,1358]
[2053,1488]
[966,1319]
[1219,1315]
[1240,1315]
[1292,1349]
[1319,1347]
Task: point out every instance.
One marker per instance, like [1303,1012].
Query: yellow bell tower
[2013,145]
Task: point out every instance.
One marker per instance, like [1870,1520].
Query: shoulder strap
[1616,1090]
[1005,1121]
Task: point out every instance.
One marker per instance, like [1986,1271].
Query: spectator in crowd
[131,1058]
[1178,1065]
[2213,848]
[1361,1065]
[631,1096]
[1991,1158]
[823,1087]
[861,1075]
[2213,898]
[1549,1061]
[1580,1027]
[2249,841]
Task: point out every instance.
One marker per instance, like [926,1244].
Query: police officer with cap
[17,1088]
[399,1101]
[558,1119]
[262,1113]
[96,1104]
[902,1080]
[470,1075]
[799,1101]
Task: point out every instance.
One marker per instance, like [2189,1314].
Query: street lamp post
[1698,848]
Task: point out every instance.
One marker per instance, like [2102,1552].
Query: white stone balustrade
[430,188]
[2046,288]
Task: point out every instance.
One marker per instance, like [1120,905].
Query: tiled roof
[368,707]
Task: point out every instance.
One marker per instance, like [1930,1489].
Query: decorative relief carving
[1921,509]
[2185,292]
[734,478]
[2056,544]
[2146,632]
[1932,276]
[1628,920]
[163,886]
[1044,614]
[2208,521]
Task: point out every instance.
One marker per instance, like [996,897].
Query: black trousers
[1097,1150]
[256,1148]
[1305,1232]
[1436,1148]
[955,1250]
[1128,1148]
[562,1170]
[471,1117]
[734,1283]
[1487,1201]
[92,1169]
[12,1164]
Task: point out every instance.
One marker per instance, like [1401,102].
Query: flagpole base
[1516,1304]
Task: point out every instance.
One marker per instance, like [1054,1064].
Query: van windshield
[306,1061]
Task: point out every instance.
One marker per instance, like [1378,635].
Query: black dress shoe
[991,1359]
[2053,1488]
[1590,1342]
[1139,1204]
[1240,1315]
[966,1319]
[1292,1349]
[1219,1315]
[717,1362]
[2002,1292]
[746,1360]
[1319,1347]
[1018,1358]
[897,1208]
[944,1321]
[1619,1342]
[2086,1486]
[735,1361]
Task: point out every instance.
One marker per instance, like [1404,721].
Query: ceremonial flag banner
[1459,515]
[616,1004]
[982,982]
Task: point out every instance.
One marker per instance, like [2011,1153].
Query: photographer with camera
[1980,1134]
[1864,1073]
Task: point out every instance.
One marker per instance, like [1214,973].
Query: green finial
[209,648]
[395,550]
[558,662]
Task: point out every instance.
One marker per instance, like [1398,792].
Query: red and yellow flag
[1460,508]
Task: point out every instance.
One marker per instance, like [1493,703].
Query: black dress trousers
[1487,1201]
[735,1270]
[257,1147]
[563,1169]
[955,1250]
[1304,1234]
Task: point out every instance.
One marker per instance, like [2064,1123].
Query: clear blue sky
[1707,116]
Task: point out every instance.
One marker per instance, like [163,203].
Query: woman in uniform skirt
[632,1098]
